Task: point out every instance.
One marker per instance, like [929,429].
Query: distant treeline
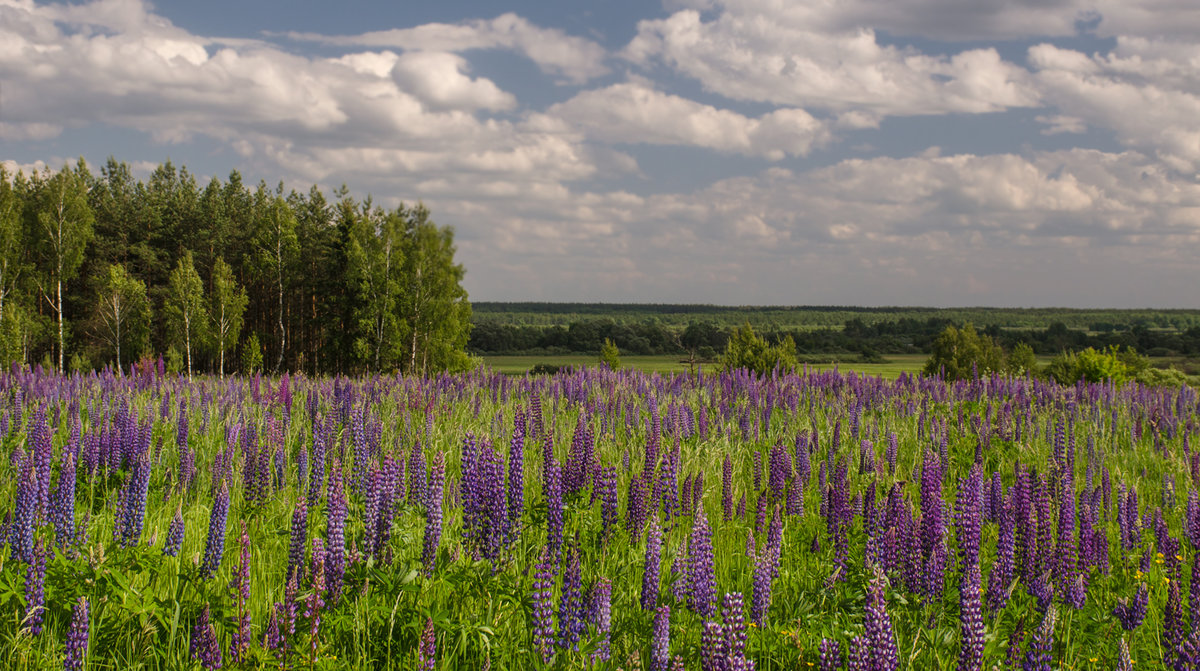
[707,337]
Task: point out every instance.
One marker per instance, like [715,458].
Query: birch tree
[187,321]
[228,308]
[122,313]
[62,231]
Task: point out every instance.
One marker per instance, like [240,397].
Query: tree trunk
[61,340]
[187,328]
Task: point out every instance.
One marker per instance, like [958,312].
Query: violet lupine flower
[240,586]
[779,470]
[734,631]
[554,506]
[1131,613]
[650,573]
[427,649]
[713,655]
[204,646]
[290,612]
[880,638]
[766,569]
[892,447]
[1037,658]
[62,503]
[570,605]
[636,508]
[416,475]
[315,600]
[273,637]
[858,657]
[214,546]
[702,585]
[77,637]
[433,522]
[335,536]
[543,611]
[933,528]
[608,500]
[660,644]
[601,600]
[299,539]
[21,537]
[1173,622]
[1002,569]
[1124,661]
[516,479]
[829,655]
[727,488]
[970,656]
[35,589]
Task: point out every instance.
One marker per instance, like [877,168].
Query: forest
[704,330]
[106,269]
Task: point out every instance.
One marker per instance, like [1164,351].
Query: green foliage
[1092,365]
[252,355]
[228,307]
[187,319]
[610,356]
[961,353]
[436,312]
[1021,360]
[748,350]
[122,315]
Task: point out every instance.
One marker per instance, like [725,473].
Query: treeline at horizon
[103,269]
[638,330]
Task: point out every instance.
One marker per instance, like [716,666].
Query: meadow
[597,519]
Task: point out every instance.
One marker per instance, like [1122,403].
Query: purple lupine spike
[77,637]
[204,646]
[570,606]
[1002,569]
[433,523]
[636,509]
[133,511]
[829,655]
[239,647]
[299,539]
[315,600]
[516,479]
[35,589]
[1173,621]
[427,649]
[858,657]
[1124,661]
[727,488]
[702,588]
[660,644]
[766,569]
[933,542]
[214,546]
[554,507]
[608,501]
[1131,613]
[416,475]
[653,560]
[970,656]
[21,537]
[335,536]
[713,655]
[62,503]
[879,635]
[1037,658]
[291,591]
[543,611]
[892,447]
[601,600]
[734,631]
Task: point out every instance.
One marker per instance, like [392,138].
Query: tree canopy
[107,268]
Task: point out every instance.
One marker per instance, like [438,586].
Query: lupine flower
[516,478]
[660,644]
[214,546]
[970,654]
[636,508]
[880,638]
[554,506]
[240,586]
[858,657]
[766,569]
[608,500]
[570,605]
[77,637]
[727,488]
[1002,569]
[433,523]
[713,656]
[651,567]
[601,600]
[35,589]
[335,536]
[702,588]
[315,600]
[830,655]
[1131,613]
[543,612]
[62,503]
[299,539]
[204,646]
[1037,658]
[427,650]
[1124,661]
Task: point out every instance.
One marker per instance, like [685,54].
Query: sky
[786,152]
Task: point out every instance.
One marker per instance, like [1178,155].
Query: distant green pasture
[518,365]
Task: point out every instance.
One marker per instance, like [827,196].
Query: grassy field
[518,365]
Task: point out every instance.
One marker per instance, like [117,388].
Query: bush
[960,354]
[609,355]
[1092,365]
[748,350]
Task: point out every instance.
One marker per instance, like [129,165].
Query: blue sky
[873,152]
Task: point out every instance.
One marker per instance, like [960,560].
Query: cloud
[1146,91]
[634,112]
[574,58]
[770,57]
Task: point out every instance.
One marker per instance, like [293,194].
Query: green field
[519,365]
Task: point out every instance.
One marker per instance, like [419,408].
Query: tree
[961,353]
[435,309]
[122,312]
[1021,360]
[187,321]
[62,230]
[746,349]
[609,355]
[228,307]
[375,252]
[275,247]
